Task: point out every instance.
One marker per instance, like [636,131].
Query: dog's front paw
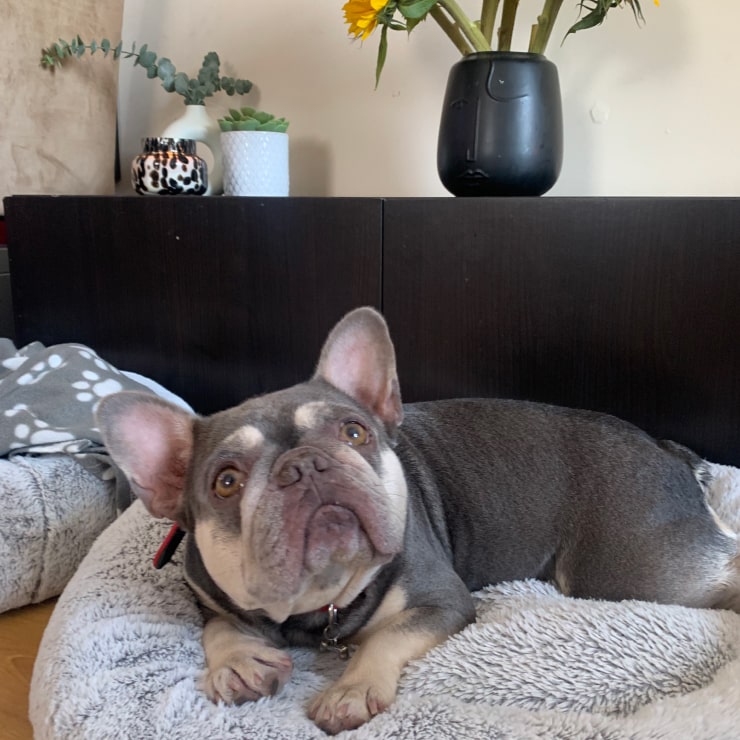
[247,673]
[345,706]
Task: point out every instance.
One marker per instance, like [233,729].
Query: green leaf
[93,46]
[416,8]
[593,18]
[147,58]
[248,112]
[117,50]
[181,81]
[211,61]
[166,69]
[225,125]
[248,125]
[105,46]
[208,73]
[242,86]
[636,10]
[263,117]
[597,10]
[382,53]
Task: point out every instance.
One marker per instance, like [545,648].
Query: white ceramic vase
[255,163]
[196,123]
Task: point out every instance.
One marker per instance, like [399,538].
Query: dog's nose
[294,466]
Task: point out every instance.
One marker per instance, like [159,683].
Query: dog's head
[295,498]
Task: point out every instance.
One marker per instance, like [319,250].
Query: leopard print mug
[169,167]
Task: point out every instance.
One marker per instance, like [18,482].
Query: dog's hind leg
[727,595]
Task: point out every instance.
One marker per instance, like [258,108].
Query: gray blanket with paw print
[58,487]
[48,397]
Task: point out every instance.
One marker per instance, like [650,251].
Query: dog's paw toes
[226,685]
[347,707]
[247,677]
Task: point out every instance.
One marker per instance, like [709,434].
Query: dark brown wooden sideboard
[627,305]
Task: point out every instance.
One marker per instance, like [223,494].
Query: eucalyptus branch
[194,89]
[506,31]
[488,18]
[542,30]
[470,30]
[452,30]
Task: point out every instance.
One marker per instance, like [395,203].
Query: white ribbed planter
[255,163]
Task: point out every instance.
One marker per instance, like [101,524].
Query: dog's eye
[228,482]
[353,433]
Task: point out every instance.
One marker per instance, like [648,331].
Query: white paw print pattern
[93,387]
[32,430]
[41,370]
[67,425]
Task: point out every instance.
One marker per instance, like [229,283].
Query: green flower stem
[508,16]
[542,30]
[451,29]
[470,30]
[488,18]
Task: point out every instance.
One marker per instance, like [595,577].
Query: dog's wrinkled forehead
[280,418]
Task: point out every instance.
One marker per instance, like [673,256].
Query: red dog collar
[168,547]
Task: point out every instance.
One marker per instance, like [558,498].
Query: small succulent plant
[249,119]
[194,89]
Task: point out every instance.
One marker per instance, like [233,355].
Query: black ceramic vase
[501,131]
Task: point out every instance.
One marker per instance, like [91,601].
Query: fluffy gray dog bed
[58,487]
[121,658]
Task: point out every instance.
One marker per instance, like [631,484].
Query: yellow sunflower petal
[362,16]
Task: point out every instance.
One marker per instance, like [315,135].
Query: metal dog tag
[330,639]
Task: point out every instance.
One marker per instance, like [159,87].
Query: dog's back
[583,498]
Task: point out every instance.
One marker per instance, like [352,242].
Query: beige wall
[647,111]
[57,129]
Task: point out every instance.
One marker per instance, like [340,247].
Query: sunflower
[362,16]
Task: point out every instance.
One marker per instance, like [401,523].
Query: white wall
[648,111]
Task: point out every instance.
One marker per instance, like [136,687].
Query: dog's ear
[151,440]
[359,359]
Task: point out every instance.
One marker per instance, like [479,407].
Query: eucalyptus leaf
[194,90]
[147,58]
[165,69]
[182,83]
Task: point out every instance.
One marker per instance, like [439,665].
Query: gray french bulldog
[316,518]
